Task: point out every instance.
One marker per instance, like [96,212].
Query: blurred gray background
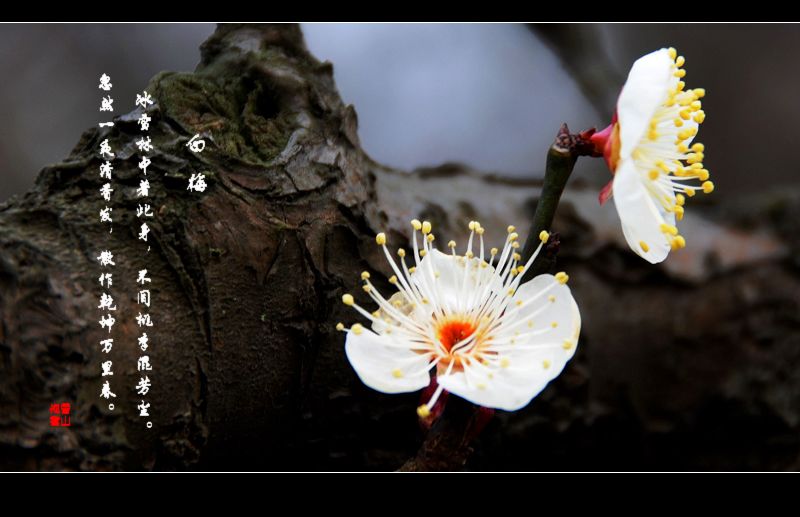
[488,95]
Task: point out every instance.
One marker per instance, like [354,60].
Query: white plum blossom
[489,338]
[649,149]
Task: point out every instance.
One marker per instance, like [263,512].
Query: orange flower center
[453,331]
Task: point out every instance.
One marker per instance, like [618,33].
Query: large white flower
[649,149]
[491,339]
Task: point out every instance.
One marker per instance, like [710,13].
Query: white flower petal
[447,279]
[547,305]
[641,215]
[647,87]
[524,368]
[505,391]
[378,359]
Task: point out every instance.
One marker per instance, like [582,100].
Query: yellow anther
[515,245]
[678,122]
[519,303]
[652,134]
[504,362]
[679,241]
[680,200]
[567,344]
[708,187]
[562,277]
[357,329]
[431,237]
[668,228]
[380,239]
[680,73]
[696,166]
[644,246]
[451,244]
[678,212]
[469,254]
[516,256]
[530,324]
[340,326]
[545,364]
[479,230]
[554,324]
[422,253]
[682,148]
[520,269]
[699,92]
[365,275]
[696,105]
[551,299]
[690,193]
[471,225]
[396,373]
[401,253]
[423,411]
[367,288]
[672,52]
[412,269]
[681,86]
[698,147]
[680,61]
[680,171]
[493,251]
[654,174]
[695,158]
[481,386]
[426,227]
[347,299]
[513,236]
[700,116]
[702,174]
[511,229]
[416,224]
[377,313]
[544,236]
[685,114]
[511,292]
[393,279]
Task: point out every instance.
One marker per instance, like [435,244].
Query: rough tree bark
[689,365]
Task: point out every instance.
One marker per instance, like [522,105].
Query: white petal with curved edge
[545,301]
[641,215]
[522,370]
[375,359]
[648,84]
[512,387]
[508,392]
